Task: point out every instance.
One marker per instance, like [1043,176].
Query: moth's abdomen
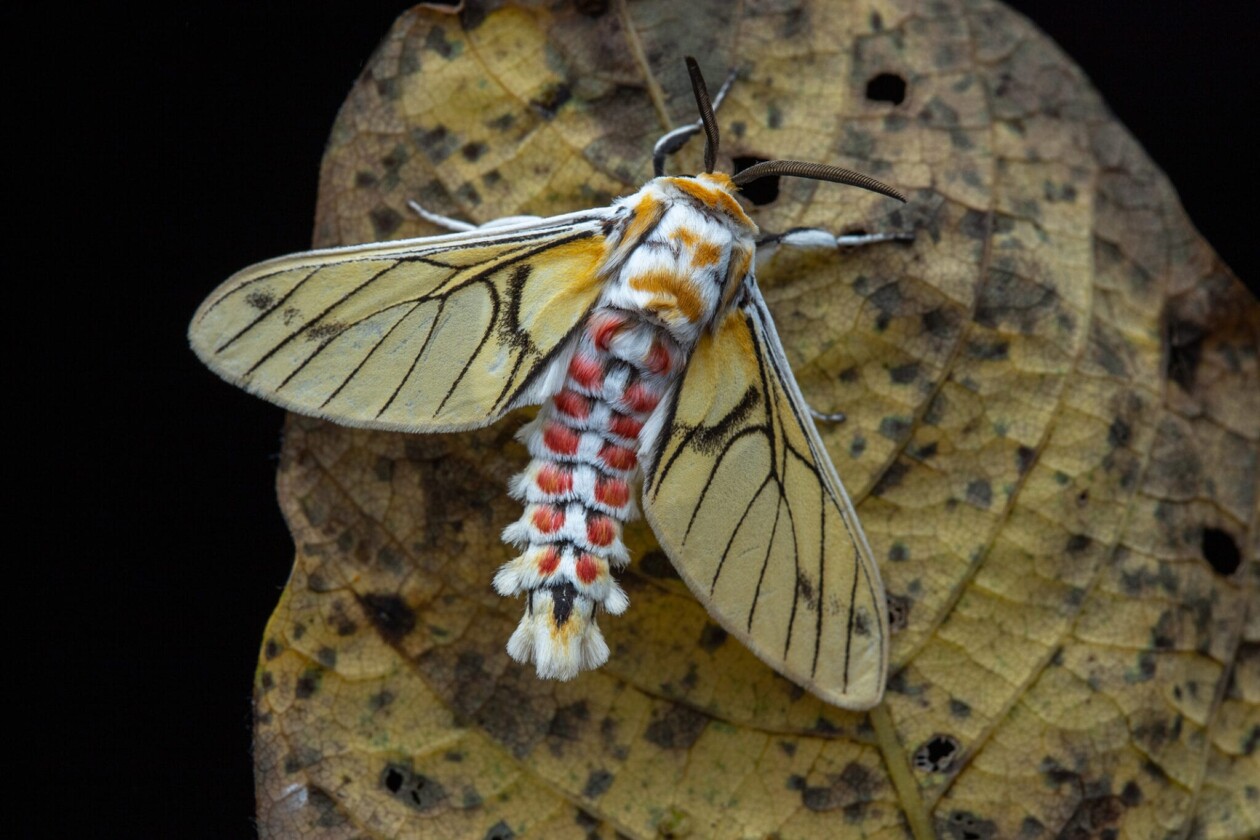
[578,491]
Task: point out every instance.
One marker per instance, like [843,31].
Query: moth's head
[793,168]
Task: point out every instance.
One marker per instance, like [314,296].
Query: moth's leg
[456,226]
[819,238]
[832,417]
[676,139]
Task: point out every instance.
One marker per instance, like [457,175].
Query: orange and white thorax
[677,253]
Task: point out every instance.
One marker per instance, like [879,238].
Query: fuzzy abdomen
[578,491]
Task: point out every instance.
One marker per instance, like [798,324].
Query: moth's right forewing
[744,500]
[418,335]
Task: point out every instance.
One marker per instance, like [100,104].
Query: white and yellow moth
[640,331]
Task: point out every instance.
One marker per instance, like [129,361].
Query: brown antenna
[706,114]
[817,171]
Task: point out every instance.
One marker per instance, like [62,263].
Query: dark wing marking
[746,502]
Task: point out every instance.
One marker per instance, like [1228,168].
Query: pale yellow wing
[747,504]
[432,334]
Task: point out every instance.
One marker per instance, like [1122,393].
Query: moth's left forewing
[744,499]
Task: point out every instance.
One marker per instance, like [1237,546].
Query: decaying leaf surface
[1054,424]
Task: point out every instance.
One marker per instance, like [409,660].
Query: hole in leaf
[886,87]
[763,190]
[1220,550]
[937,754]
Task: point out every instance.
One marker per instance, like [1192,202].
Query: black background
[187,146]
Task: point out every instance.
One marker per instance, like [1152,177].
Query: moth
[640,331]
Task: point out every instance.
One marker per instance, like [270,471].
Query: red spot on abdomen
[618,457]
[626,427]
[587,372]
[603,328]
[613,492]
[573,404]
[658,360]
[549,560]
[640,399]
[554,480]
[587,569]
[548,519]
[600,530]
[560,439]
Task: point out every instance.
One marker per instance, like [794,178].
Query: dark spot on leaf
[937,112]
[1078,543]
[656,564]
[988,350]
[438,143]
[473,15]
[1053,192]
[472,151]
[597,783]
[959,709]
[774,116]
[389,614]
[500,831]
[1184,350]
[552,98]
[1119,433]
[1220,551]
[712,637]
[886,87]
[437,42]
[892,477]
[266,681]
[857,447]
[413,789]
[849,374]
[1024,457]
[852,789]
[491,178]
[980,492]
[937,754]
[898,612]
[788,747]
[385,220]
[903,374]
[568,723]
[675,728]
[307,685]
[927,451]
[1009,299]
[365,180]
[326,656]
[380,700]
[591,8]
[894,428]
[762,191]
[939,323]
[898,552]
[1032,828]
[272,649]
[1131,795]
[964,825]
[1145,671]
[323,804]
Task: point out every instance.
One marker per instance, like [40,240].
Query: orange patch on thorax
[672,284]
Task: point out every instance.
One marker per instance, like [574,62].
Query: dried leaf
[1054,424]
